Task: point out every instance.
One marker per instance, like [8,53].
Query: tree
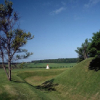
[80,54]
[94,48]
[85,46]
[11,39]
[83,50]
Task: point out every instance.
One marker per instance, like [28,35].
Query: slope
[79,83]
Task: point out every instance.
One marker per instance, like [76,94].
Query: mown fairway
[76,83]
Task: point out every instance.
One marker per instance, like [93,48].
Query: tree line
[90,48]
[61,60]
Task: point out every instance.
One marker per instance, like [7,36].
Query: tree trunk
[9,60]
[85,54]
[4,67]
[9,67]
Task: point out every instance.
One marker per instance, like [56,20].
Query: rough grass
[38,80]
[79,83]
[19,89]
[76,83]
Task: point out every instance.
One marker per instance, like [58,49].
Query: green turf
[79,83]
[51,65]
[76,83]
[19,89]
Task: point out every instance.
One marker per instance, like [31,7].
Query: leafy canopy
[94,48]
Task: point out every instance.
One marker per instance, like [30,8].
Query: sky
[58,26]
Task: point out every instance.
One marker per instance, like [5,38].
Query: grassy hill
[20,89]
[79,83]
[76,83]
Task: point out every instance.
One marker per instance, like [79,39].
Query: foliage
[94,51]
[22,65]
[11,39]
[95,64]
[83,50]
[60,60]
[80,54]
[94,48]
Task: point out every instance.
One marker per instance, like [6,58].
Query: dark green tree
[94,48]
[11,39]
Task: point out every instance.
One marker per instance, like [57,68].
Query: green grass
[79,83]
[76,83]
[51,65]
[19,89]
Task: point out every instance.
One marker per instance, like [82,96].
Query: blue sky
[58,26]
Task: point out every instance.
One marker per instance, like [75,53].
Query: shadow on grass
[5,96]
[18,81]
[95,64]
[47,86]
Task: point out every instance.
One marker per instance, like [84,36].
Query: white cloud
[91,3]
[57,11]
